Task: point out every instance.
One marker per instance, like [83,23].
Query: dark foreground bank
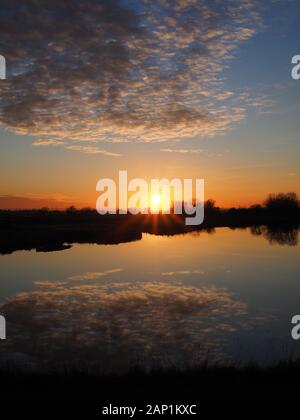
[207,383]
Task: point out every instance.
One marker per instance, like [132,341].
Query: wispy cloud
[261,104]
[192,151]
[144,72]
[182,151]
[91,150]
[48,142]
[182,273]
[92,275]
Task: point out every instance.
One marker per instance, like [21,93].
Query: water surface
[226,296]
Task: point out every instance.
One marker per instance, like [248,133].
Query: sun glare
[155,202]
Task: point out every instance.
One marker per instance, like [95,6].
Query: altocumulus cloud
[119,71]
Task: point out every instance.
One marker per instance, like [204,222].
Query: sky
[160,88]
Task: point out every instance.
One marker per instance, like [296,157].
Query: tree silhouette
[282,202]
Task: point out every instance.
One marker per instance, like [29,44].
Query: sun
[155,202]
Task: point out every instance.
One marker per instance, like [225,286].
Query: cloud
[183,151]
[192,151]
[102,70]
[261,103]
[95,274]
[91,150]
[182,273]
[49,142]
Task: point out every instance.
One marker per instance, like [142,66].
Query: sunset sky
[160,88]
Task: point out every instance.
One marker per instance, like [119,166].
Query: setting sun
[155,202]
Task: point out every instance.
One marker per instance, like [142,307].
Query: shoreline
[47,231]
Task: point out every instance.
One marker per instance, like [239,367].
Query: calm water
[229,295]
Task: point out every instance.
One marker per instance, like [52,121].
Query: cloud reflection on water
[113,324]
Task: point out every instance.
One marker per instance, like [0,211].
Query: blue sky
[244,146]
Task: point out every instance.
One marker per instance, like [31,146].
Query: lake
[225,296]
